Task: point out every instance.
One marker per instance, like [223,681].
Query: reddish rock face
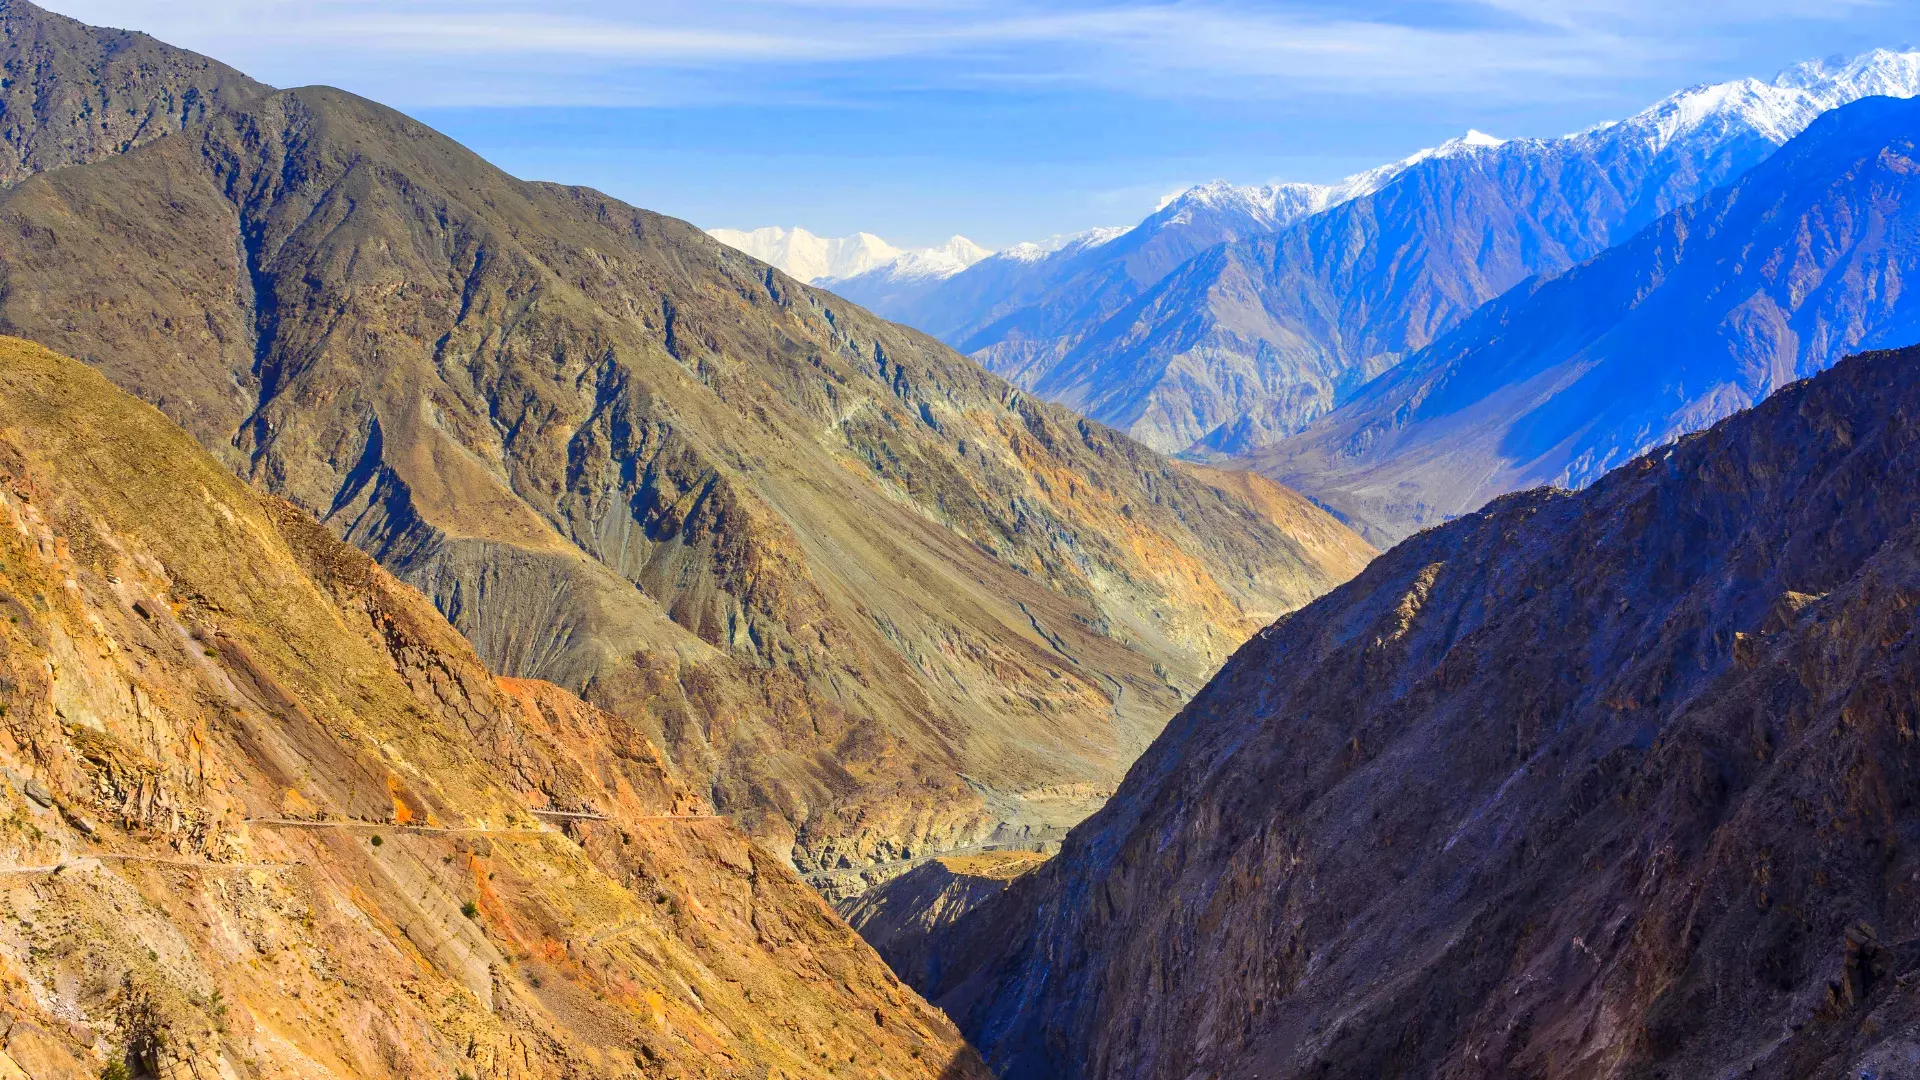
[1615,784]
[264,814]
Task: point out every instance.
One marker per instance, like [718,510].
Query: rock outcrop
[826,564]
[265,814]
[1620,783]
[902,916]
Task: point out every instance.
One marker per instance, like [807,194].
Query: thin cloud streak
[540,54]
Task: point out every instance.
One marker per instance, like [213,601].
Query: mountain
[1617,783]
[1020,313]
[901,917]
[798,253]
[862,594]
[267,815]
[1022,309]
[902,282]
[943,307]
[1703,313]
[1225,348]
[74,94]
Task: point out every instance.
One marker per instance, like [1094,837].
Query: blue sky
[915,119]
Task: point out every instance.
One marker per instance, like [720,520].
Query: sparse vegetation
[470,909]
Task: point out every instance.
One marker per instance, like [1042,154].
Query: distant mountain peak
[1276,206]
[1777,110]
[813,259]
[1035,250]
[944,261]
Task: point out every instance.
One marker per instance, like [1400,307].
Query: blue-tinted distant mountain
[1706,311]
[1024,309]
[941,303]
[1190,342]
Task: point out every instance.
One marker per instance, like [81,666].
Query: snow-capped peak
[1035,250]
[948,259]
[1777,110]
[814,259]
[1882,72]
[1276,206]
[1269,205]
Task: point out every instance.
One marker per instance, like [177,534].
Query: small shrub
[377,840]
[470,909]
[115,1070]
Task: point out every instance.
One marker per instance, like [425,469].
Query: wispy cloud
[425,51]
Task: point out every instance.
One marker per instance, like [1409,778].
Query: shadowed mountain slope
[264,814]
[826,563]
[1620,783]
[1705,312]
[900,917]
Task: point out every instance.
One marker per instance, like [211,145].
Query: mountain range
[817,260]
[1616,783]
[459,626]
[1233,317]
[862,594]
[1800,261]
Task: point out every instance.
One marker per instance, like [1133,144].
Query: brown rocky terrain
[1620,784]
[265,814]
[828,565]
[901,916]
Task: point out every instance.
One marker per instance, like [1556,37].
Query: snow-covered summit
[1776,111]
[815,258]
[1270,205]
[1275,206]
[944,261]
[1032,251]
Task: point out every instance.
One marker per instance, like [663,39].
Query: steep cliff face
[1703,313]
[1620,783]
[829,564]
[903,918]
[263,813]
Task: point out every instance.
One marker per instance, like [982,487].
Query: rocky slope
[71,93]
[1238,344]
[1620,783]
[264,814]
[1702,313]
[828,565]
[903,916]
